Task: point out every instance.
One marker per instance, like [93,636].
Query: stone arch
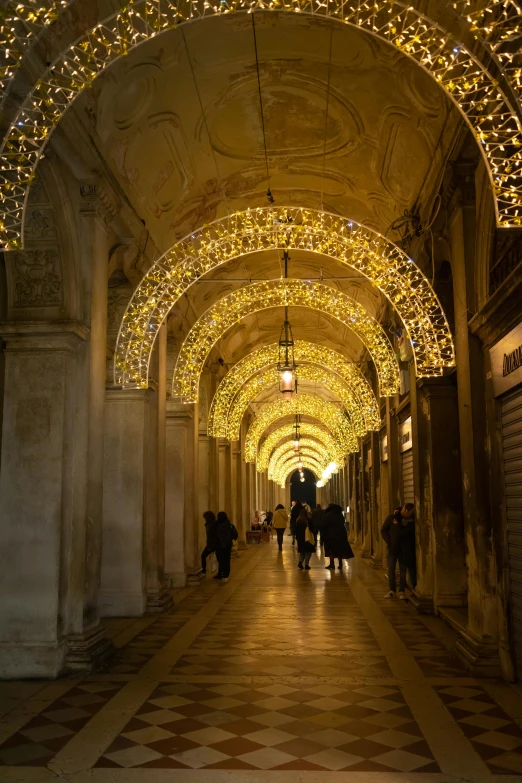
[467,66]
[304,351]
[287,431]
[274,293]
[326,376]
[305,404]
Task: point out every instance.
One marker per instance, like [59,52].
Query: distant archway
[305,491]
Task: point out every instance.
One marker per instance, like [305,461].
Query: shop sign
[384,449]
[405,439]
[506,362]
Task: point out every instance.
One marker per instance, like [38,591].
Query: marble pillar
[43,535]
[178,490]
[478,645]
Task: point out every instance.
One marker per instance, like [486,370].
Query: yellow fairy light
[473,62]
[382,262]
[307,448]
[288,431]
[305,404]
[229,310]
[290,466]
[237,376]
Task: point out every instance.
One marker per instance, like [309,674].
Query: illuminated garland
[480,84]
[307,448]
[275,467]
[306,372]
[325,412]
[288,430]
[290,466]
[304,351]
[229,310]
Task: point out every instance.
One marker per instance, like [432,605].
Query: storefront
[506,373]
[406,451]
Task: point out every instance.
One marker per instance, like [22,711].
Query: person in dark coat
[304,547]
[226,533]
[391,531]
[333,533]
[294,513]
[317,521]
[210,532]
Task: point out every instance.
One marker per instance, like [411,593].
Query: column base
[161,601]
[376,561]
[242,545]
[422,603]
[366,553]
[195,577]
[88,652]
[19,661]
[478,654]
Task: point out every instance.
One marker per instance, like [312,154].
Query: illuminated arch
[304,351]
[305,372]
[289,467]
[287,431]
[476,71]
[277,293]
[307,448]
[305,404]
[311,456]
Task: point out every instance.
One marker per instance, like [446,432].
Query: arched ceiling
[178,122]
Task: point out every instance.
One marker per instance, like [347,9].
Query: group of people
[398,531]
[307,526]
[221,534]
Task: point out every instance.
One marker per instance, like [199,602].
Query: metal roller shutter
[407,477]
[512,443]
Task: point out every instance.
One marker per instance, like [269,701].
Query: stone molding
[87,652]
[127,395]
[98,199]
[41,336]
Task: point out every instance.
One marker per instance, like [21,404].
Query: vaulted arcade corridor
[279,675]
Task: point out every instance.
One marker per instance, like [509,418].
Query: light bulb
[287,384]
[302,478]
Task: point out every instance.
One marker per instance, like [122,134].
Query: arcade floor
[280,675]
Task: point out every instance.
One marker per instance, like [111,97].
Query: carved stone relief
[37,278]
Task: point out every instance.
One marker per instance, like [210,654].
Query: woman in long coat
[333,533]
[304,547]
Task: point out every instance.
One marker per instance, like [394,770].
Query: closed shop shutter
[407,477]
[512,444]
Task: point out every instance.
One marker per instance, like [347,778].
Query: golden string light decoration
[306,372]
[271,228]
[229,310]
[288,431]
[307,448]
[290,466]
[476,66]
[304,351]
[305,404]
[289,457]
[20,23]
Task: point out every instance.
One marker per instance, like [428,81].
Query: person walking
[210,532]
[305,538]
[317,520]
[294,514]
[279,523]
[226,533]
[407,543]
[333,533]
[392,531]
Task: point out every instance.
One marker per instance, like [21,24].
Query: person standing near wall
[391,531]
[210,531]
[226,533]
[279,523]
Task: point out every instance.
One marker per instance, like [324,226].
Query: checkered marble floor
[280,671]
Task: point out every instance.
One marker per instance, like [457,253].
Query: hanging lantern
[286,363]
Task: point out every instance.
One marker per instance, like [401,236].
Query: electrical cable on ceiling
[220,181]
[326,117]
[268,192]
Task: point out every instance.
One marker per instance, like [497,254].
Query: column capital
[98,200]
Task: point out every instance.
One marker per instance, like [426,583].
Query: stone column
[376,559]
[178,490]
[478,645]
[366,543]
[37,514]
